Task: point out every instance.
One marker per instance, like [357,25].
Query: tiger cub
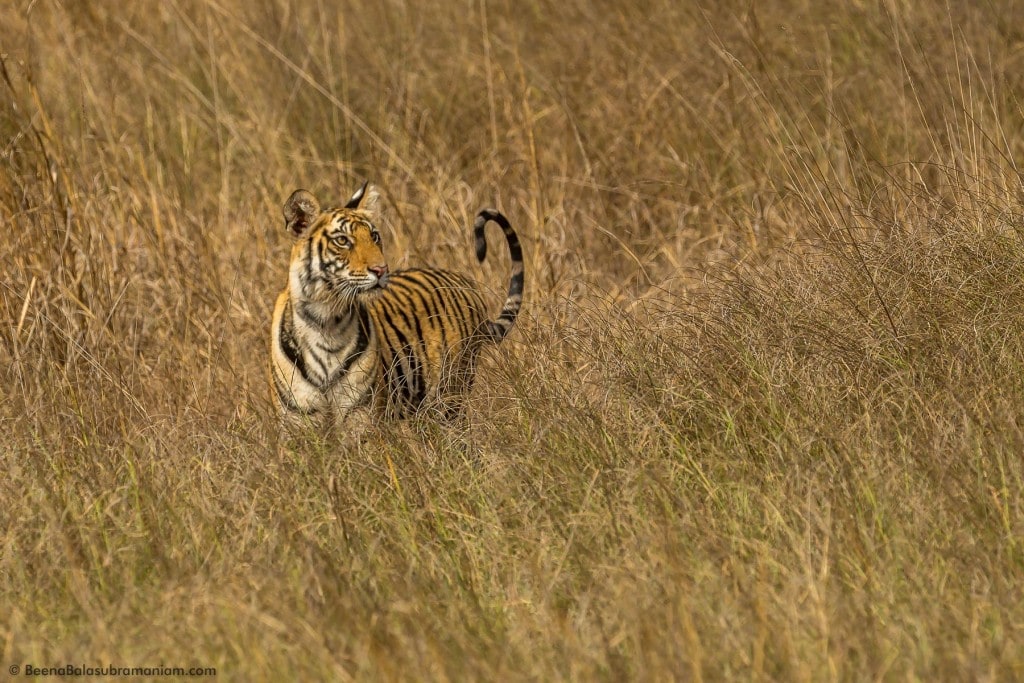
[348,334]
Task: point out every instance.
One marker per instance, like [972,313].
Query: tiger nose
[379,271]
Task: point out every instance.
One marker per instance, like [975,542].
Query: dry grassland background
[761,418]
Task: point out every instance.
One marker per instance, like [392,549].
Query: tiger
[350,336]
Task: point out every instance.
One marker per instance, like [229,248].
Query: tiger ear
[366,198]
[300,211]
[357,197]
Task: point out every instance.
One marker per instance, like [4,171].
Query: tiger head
[337,257]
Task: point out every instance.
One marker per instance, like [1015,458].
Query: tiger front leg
[350,427]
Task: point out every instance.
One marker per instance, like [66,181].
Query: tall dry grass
[760,418]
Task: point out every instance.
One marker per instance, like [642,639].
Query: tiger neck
[331,320]
[328,321]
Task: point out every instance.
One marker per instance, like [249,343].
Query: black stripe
[405,385]
[310,317]
[386,328]
[413,386]
[447,294]
[417,330]
[428,294]
[481,242]
[363,319]
[321,367]
[447,310]
[322,257]
[459,291]
[434,309]
[362,342]
[310,276]
[332,350]
[515,285]
[288,345]
[287,398]
[420,359]
[420,386]
[397,309]
[456,282]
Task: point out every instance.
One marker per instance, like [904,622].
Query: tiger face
[339,250]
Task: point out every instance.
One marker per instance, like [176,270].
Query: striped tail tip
[500,327]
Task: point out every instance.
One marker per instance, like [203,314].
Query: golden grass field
[762,417]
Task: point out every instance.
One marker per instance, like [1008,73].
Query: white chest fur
[323,361]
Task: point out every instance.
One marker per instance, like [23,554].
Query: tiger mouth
[360,286]
[379,282]
[375,288]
